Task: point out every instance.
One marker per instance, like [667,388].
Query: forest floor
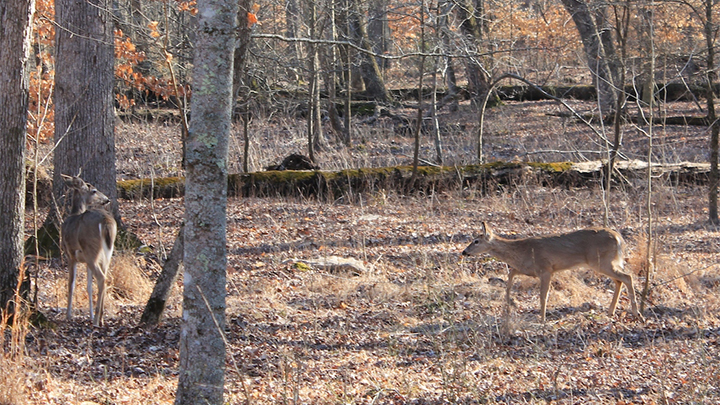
[419,324]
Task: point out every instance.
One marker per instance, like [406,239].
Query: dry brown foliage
[421,325]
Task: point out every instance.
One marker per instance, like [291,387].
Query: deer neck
[78,204]
[505,249]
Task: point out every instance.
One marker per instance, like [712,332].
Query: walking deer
[600,249]
[88,236]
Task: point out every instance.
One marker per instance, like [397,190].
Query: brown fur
[88,236]
[600,249]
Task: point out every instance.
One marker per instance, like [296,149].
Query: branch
[558,99]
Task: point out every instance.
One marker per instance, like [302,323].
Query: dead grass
[127,281]
[422,325]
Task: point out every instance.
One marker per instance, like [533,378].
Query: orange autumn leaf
[252,19]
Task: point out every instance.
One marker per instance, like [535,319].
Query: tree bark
[84,111]
[598,55]
[379,32]
[202,345]
[371,75]
[471,28]
[15,31]
[165,282]
[710,33]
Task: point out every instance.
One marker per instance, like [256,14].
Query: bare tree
[15,23]
[202,344]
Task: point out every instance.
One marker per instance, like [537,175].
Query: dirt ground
[418,323]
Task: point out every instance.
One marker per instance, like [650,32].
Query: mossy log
[332,185]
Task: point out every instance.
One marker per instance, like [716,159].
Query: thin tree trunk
[419,124]
[649,263]
[331,79]
[444,8]
[163,286]
[241,97]
[622,26]
[246,140]
[710,33]
[348,106]
[433,115]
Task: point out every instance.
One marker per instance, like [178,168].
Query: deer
[600,249]
[88,236]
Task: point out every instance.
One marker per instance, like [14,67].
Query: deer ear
[487,232]
[73,181]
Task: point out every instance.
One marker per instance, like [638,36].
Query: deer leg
[621,278]
[100,308]
[508,300]
[545,278]
[89,287]
[631,293]
[616,295]
[72,270]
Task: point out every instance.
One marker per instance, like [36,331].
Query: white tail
[88,236]
[600,249]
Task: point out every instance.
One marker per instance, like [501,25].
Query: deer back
[89,233]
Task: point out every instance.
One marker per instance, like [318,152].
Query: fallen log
[333,185]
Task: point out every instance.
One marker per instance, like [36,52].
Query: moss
[556,167]
[300,266]
[161,187]
[276,176]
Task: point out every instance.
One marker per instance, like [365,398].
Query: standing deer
[600,249]
[88,236]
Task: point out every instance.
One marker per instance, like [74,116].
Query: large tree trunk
[379,32]
[15,32]
[471,28]
[371,75]
[202,344]
[599,55]
[84,112]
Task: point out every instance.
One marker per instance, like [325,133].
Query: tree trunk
[241,94]
[293,23]
[84,111]
[243,42]
[374,83]
[710,33]
[471,28]
[202,344]
[379,32]
[163,286]
[597,54]
[444,8]
[15,39]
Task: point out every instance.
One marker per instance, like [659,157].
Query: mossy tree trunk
[202,344]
